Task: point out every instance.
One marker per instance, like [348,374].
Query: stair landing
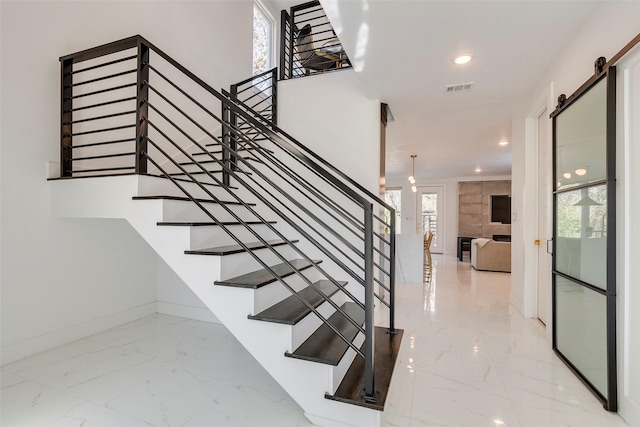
[351,389]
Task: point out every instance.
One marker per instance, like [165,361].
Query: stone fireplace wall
[473,208]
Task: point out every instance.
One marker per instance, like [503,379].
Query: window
[393,196]
[263,25]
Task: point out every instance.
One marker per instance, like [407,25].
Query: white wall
[63,279]
[610,28]
[628,229]
[177,299]
[330,114]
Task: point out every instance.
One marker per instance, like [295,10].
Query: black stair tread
[236,249]
[210,223]
[351,389]
[324,346]
[186,199]
[290,310]
[257,279]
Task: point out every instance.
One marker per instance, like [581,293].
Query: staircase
[285,250]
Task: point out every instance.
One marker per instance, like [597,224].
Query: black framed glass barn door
[584,282]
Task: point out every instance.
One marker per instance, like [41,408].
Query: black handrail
[311,189]
[392,225]
[245,128]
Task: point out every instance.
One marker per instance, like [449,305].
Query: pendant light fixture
[587,201]
[412,178]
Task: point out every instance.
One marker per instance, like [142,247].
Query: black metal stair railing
[384,246]
[127,107]
[308,42]
[260,94]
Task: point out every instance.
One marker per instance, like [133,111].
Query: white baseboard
[13,352]
[188,312]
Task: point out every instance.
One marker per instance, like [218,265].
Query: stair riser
[174,210]
[269,193]
[273,293]
[152,186]
[303,329]
[210,236]
[237,264]
[340,371]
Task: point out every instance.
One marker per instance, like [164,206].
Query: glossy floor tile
[467,359]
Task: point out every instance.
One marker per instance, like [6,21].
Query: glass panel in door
[584,333]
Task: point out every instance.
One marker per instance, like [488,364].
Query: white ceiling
[403,53]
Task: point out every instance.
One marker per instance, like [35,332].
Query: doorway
[430,215]
[544,224]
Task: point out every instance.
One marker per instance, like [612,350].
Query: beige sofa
[490,255]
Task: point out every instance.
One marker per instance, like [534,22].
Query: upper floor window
[263,30]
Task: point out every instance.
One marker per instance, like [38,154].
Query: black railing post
[369,297]
[291,35]
[233,121]
[274,96]
[226,139]
[66,117]
[142,108]
[392,273]
[284,20]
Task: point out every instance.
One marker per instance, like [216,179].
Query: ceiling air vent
[462,87]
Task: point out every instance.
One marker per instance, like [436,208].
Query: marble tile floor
[468,359]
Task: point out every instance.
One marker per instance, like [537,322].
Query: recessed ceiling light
[581,171]
[478,169]
[462,59]
[567,175]
[503,143]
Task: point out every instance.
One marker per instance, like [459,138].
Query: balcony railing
[308,43]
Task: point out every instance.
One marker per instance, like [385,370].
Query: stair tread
[290,310]
[351,388]
[236,249]
[186,199]
[324,346]
[262,277]
[209,223]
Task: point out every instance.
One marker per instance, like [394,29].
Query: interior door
[544,222]
[431,215]
[584,254]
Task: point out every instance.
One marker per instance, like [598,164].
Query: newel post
[369,294]
[66,117]
[392,274]
[142,108]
